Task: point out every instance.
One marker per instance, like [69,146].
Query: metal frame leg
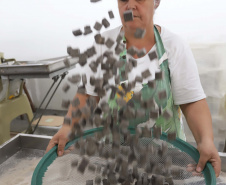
[29,129]
[62,77]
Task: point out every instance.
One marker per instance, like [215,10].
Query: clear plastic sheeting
[211,62]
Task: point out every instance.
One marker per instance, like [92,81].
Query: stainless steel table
[19,156]
[55,68]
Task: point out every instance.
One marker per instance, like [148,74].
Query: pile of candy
[128,161]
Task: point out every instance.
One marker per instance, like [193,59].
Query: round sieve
[180,153]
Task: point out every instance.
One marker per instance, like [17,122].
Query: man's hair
[157,2]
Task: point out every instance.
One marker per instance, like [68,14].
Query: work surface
[19,168]
[19,157]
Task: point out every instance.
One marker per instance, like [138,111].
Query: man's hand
[208,152]
[60,138]
[199,121]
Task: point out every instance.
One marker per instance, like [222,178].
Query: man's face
[143,11]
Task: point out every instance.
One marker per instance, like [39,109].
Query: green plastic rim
[49,157]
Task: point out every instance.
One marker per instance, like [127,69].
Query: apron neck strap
[159,45]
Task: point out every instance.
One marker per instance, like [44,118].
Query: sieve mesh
[61,172]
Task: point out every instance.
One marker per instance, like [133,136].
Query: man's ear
[156,2]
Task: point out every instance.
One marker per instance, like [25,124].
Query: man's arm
[82,98]
[199,121]
[61,137]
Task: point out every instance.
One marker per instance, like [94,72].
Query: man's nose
[131,4]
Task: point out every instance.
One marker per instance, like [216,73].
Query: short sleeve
[185,81]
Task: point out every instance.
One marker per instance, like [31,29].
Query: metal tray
[20,156]
[223,161]
[35,67]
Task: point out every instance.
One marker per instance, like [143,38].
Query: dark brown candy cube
[74,163]
[163,150]
[67,62]
[98,169]
[171,136]
[81,90]
[109,43]
[162,95]
[120,63]
[67,120]
[121,102]
[75,102]
[89,182]
[169,180]
[140,113]
[87,30]
[146,73]
[93,66]
[77,32]
[66,87]
[120,37]
[91,51]
[99,39]
[128,15]
[65,103]
[94,1]
[152,55]
[97,26]
[111,15]
[159,75]
[112,178]
[83,164]
[152,84]
[119,48]
[105,23]
[92,167]
[157,180]
[133,62]
[98,180]
[74,79]
[167,114]
[157,132]
[117,80]
[84,79]
[154,114]
[146,132]
[77,113]
[139,79]
[92,80]
[132,51]
[141,52]
[139,33]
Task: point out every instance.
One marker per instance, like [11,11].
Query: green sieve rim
[49,157]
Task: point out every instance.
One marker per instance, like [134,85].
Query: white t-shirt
[185,82]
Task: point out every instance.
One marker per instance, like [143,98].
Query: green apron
[172,124]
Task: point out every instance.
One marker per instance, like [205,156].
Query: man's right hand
[60,138]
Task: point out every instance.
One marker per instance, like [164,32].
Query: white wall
[195,20]
[39,29]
